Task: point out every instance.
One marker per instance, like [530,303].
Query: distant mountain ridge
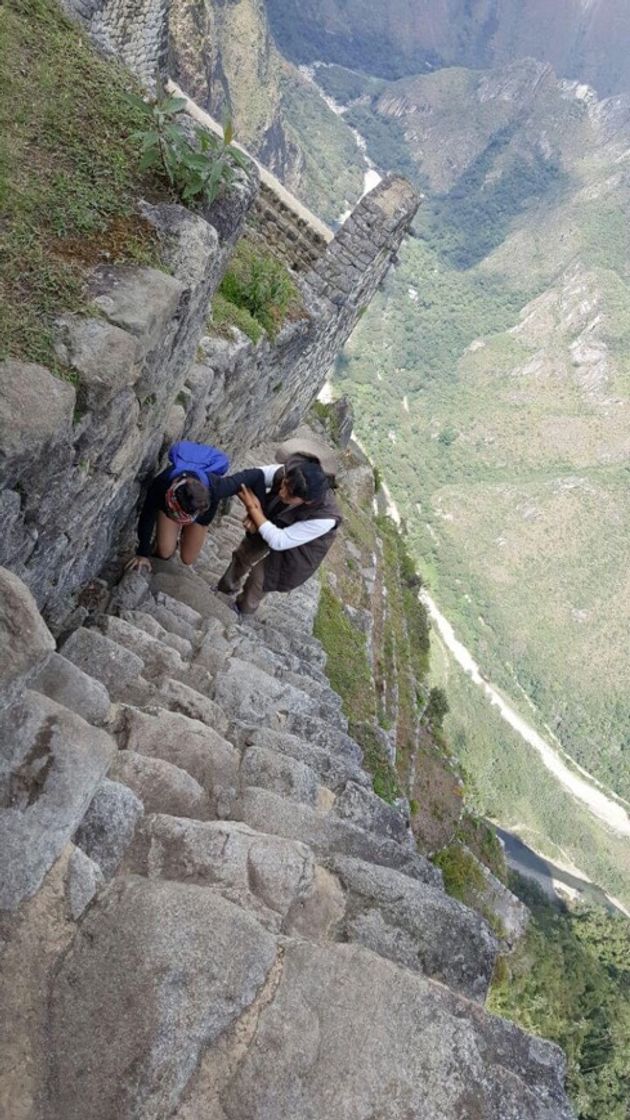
[585,39]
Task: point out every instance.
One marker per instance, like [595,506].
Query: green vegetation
[569,981]
[500,773]
[69,176]
[469,221]
[226,315]
[259,285]
[347,665]
[331,176]
[346,85]
[199,170]
[385,140]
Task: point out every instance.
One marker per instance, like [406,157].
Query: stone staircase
[248,932]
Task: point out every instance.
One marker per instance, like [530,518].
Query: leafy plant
[259,284]
[198,171]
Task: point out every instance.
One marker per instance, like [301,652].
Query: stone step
[157,974]
[66,684]
[161,786]
[327,833]
[108,661]
[250,647]
[273,878]
[251,694]
[323,734]
[212,761]
[333,769]
[417,925]
[366,810]
[191,590]
[159,658]
[51,765]
[154,628]
[353,1035]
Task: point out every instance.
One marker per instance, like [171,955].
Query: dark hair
[193,496]
[306,480]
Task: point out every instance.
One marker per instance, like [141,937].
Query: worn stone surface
[102,658]
[108,827]
[417,925]
[25,640]
[181,698]
[333,771]
[157,657]
[186,743]
[35,414]
[48,776]
[157,972]
[251,694]
[161,786]
[326,833]
[362,807]
[343,1058]
[70,686]
[249,867]
[104,356]
[82,882]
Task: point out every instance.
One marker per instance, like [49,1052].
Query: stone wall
[135,31]
[284,232]
[74,457]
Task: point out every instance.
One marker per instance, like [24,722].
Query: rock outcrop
[207,913]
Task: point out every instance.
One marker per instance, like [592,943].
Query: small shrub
[437,708]
[198,172]
[260,284]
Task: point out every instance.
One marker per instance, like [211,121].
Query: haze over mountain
[582,39]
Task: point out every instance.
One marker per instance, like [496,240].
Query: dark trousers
[248,560]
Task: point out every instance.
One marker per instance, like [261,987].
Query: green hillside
[491,384]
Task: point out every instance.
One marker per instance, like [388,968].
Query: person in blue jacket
[182,501]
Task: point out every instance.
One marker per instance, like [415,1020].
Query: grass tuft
[69,179]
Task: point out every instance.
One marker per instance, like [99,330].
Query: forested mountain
[582,39]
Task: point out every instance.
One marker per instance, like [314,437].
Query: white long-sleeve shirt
[294,535]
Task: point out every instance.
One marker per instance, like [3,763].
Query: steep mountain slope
[585,39]
[224,57]
[492,386]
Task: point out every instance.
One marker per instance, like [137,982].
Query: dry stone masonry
[206,913]
[149,370]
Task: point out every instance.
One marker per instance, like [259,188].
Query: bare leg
[167,535]
[191,542]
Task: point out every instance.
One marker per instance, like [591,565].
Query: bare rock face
[158,972]
[54,762]
[25,640]
[342,1058]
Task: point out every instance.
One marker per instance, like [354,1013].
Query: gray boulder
[192,746]
[161,787]
[82,882]
[47,780]
[351,1035]
[107,828]
[157,973]
[25,640]
[253,869]
[416,925]
[102,658]
[64,682]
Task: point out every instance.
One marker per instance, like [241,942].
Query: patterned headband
[175,511]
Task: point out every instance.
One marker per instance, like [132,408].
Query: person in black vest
[288,532]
